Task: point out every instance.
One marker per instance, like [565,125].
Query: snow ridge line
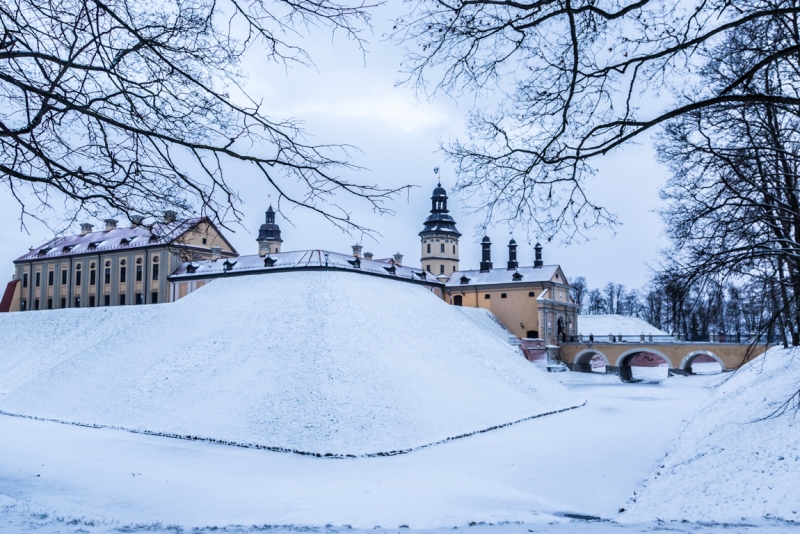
[284,449]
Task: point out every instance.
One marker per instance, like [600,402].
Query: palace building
[111,267]
[167,260]
[531,302]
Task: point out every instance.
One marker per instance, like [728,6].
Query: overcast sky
[349,98]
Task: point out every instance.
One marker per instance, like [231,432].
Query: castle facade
[166,261]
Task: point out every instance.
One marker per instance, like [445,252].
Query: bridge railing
[677,338]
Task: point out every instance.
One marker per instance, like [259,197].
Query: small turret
[486,254]
[512,255]
[538,261]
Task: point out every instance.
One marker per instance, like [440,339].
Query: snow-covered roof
[616,324]
[106,240]
[505,276]
[300,259]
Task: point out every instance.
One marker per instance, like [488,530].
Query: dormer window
[44,251]
[464,280]
[93,245]
[191,268]
[154,238]
[391,269]
[421,274]
[227,266]
[516,276]
[67,249]
[355,262]
[124,241]
[269,261]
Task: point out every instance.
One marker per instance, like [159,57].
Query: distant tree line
[737,311]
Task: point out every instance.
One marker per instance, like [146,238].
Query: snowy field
[524,478]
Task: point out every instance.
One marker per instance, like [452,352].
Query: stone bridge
[679,354]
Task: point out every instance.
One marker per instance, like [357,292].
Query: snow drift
[320,362]
[733,461]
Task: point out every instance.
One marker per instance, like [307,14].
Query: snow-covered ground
[603,325]
[486,320]
[320,362]
[585,461]
[733,460]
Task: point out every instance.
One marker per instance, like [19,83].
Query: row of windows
[457,299]
[123,275]
[138,299]
[441,248]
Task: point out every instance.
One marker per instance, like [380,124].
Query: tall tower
[439,237]
[269,235]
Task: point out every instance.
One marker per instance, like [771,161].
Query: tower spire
[439,236]
[269,235]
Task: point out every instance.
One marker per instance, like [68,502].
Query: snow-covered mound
[733,461]
[323,362]
[602,325]
[33,343]
[486,320]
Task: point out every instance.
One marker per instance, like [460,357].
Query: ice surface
[321,362]
[585,461]
[733,460]
[650,374]
[603,325]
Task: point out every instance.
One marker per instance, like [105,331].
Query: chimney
[216,252]
[486,254]
[137,220]
[86,228]
[512,255]
[111,224]
[170,216]
[538,261]
[368,255]
[357,251]
[398,259]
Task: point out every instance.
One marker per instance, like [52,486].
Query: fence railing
[677,338]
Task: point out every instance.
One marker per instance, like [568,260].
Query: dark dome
[269,231]
[486,239]
[439,221]
[512,242]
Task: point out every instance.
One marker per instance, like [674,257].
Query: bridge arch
[646,373]
[632,352]
[686,362]
[583,360]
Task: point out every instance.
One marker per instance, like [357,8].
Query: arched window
[487,296]
[457,300]
[503,295]
[531,294]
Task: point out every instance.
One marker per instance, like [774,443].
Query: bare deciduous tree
[573,80]
[734,209]
[132,107]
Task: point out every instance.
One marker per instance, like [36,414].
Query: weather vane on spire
[436,172]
